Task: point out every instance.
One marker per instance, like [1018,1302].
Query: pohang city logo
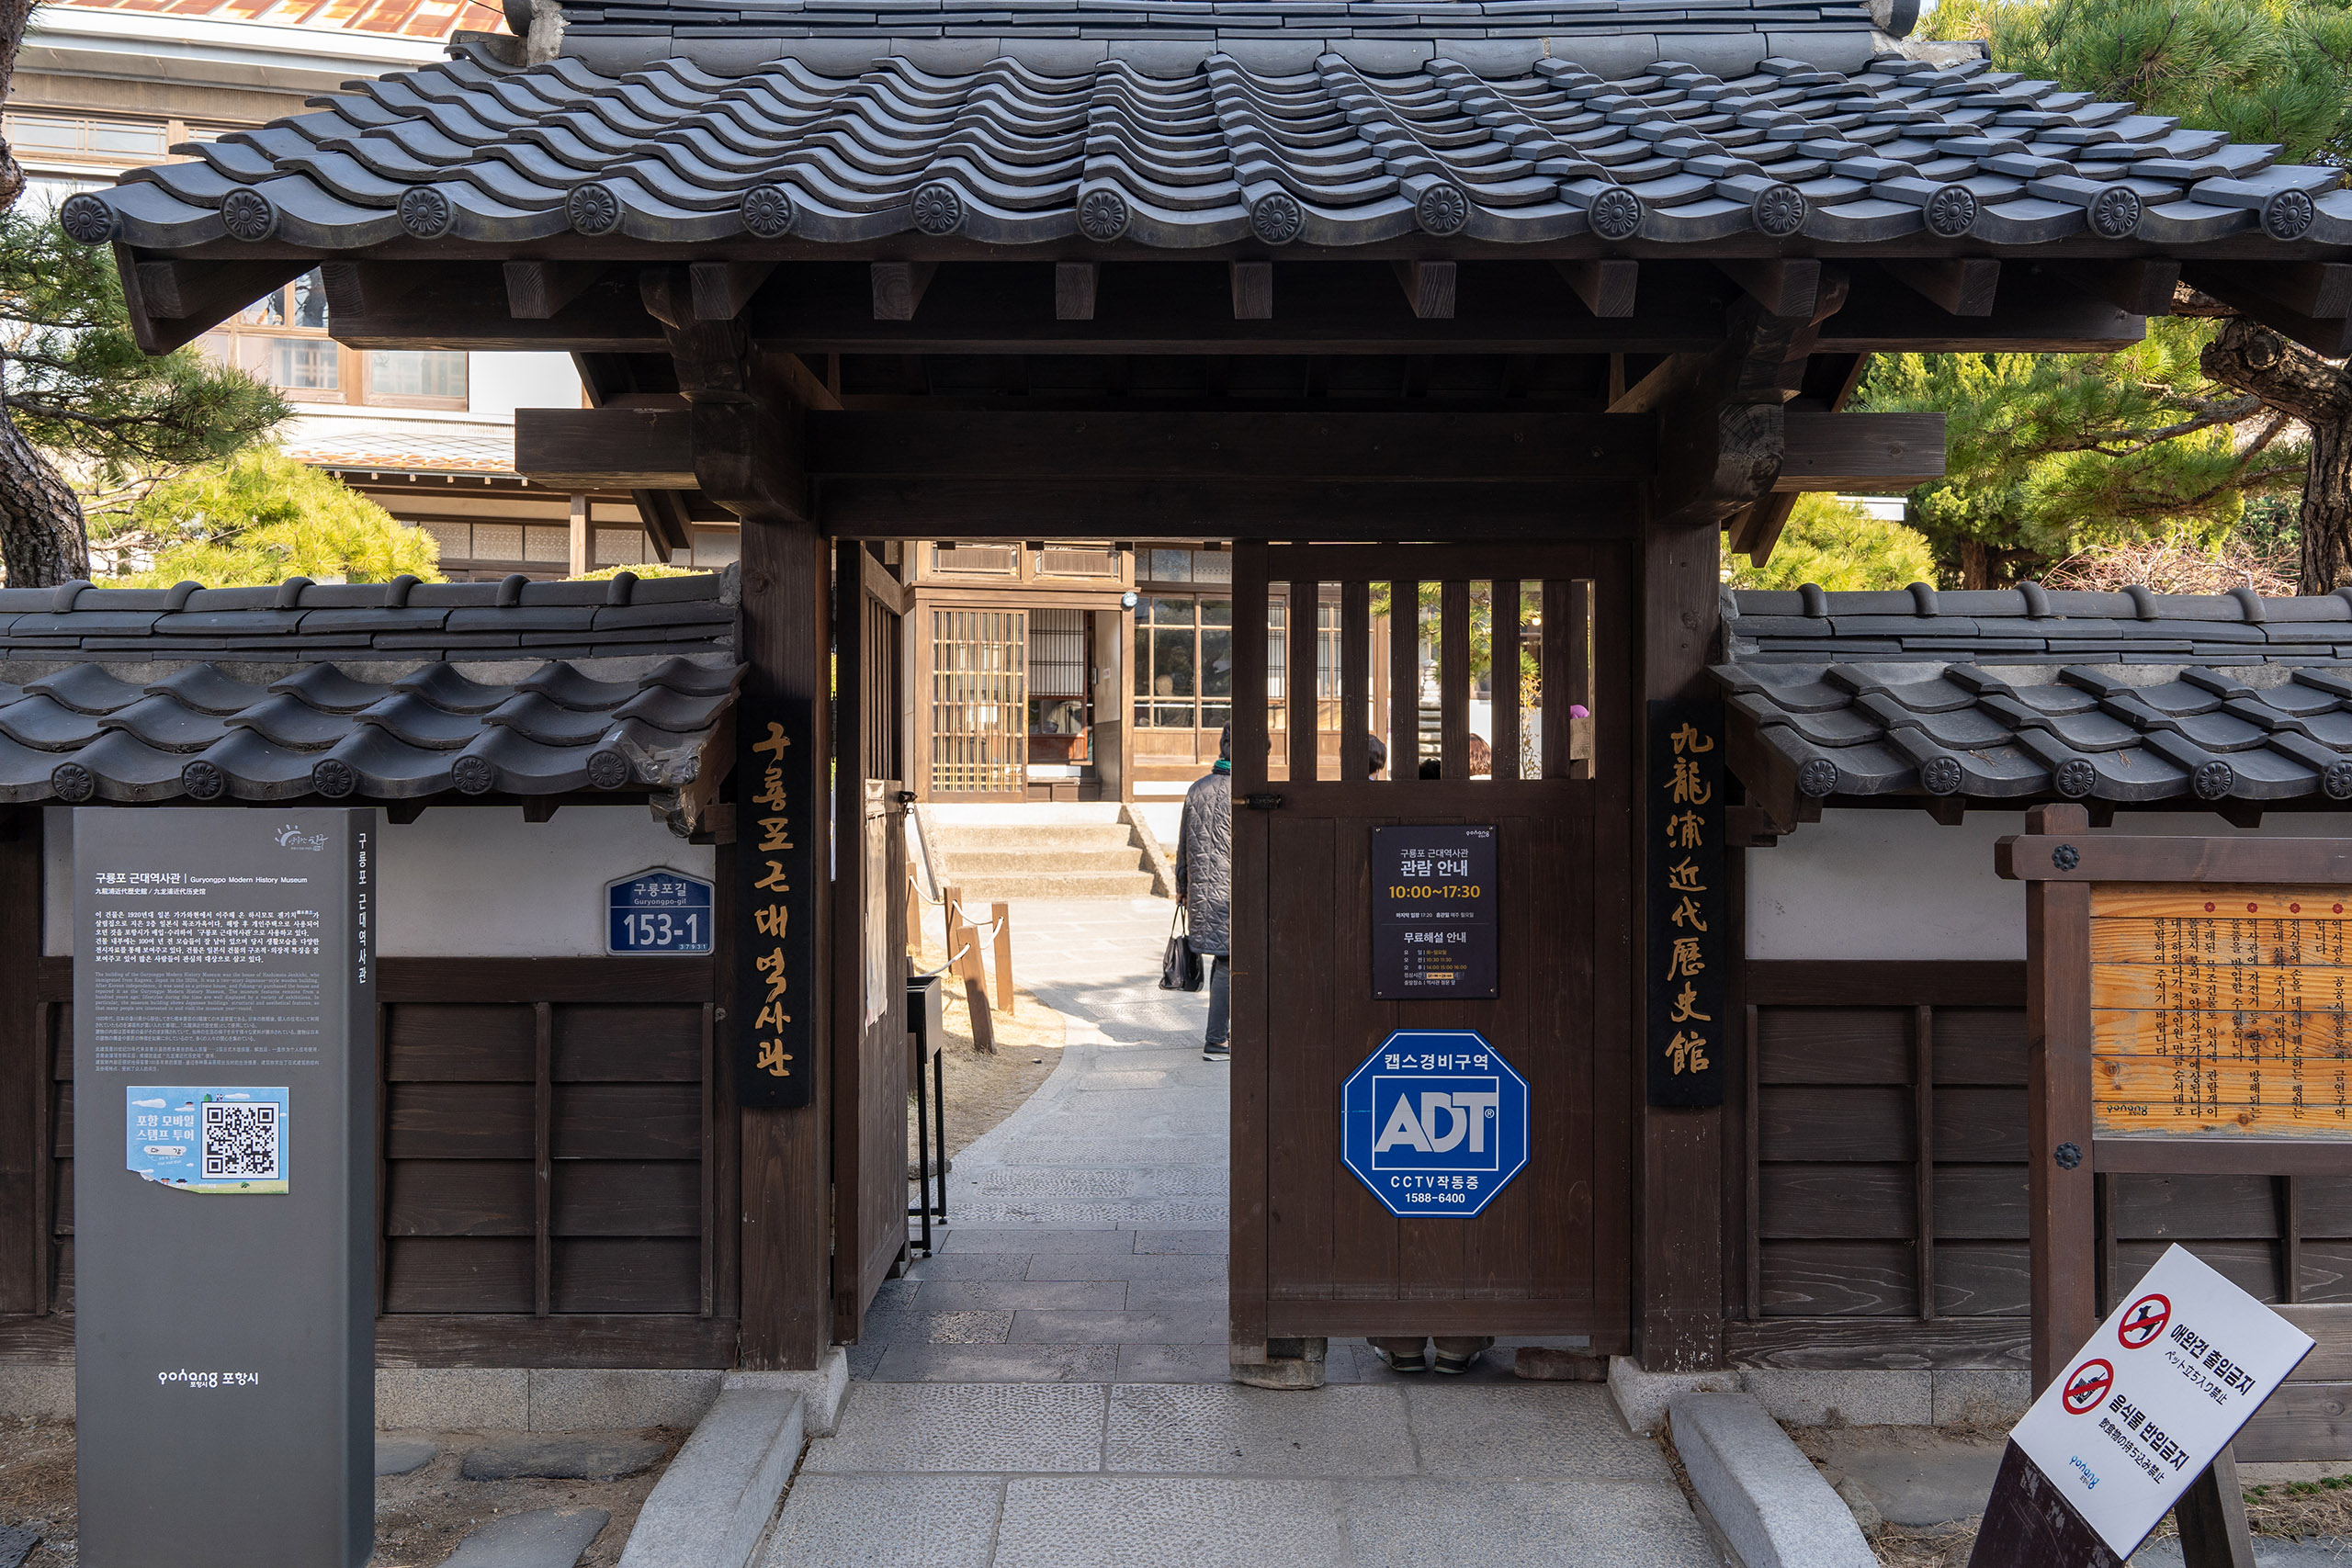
[291,837]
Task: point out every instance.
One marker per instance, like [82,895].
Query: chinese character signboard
[2220,1009]
[224,1110]
[1434,1122]
[775,865]
[2164,1385]
[1432,912]
[1688,959]
[657,911]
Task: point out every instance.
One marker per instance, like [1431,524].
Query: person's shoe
[1454,1366]
[1397,1363]
[1216,1051]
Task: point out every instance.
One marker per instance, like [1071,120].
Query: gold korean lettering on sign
[1685,959]
[772,919]
[2220,1011]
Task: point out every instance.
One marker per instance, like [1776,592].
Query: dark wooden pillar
[1680,1169]
[24,1067]
[748,458]
[787,1155]
[2063,1291]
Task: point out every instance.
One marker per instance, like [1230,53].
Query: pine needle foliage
[1835,545]
[260,518]
[79,387]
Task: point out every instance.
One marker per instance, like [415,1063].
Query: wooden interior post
[2063,1292]
[1001,919]
[1680,1203]
[787,1155]
[24,1067]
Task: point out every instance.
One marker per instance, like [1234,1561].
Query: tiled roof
[384,691]
[1322,150]
[394,18]
[2127,697]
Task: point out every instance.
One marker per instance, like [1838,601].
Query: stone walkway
[1051,1388]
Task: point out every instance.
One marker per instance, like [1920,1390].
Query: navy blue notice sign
[657,911]
[1434,1122]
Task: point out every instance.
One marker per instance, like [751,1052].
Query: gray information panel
[225,1071]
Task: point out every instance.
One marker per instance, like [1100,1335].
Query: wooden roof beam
[1075,286]
[173,303]
[1605,285]
[536,290]
[721,289]
[1859,451]
[605,448]
[2143,288]
[898,288]
[2313,304]
[1784,286]
[1253,290]
[1964,286]
[1428,288]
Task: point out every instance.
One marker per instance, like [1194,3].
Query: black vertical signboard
[224,1186]
[1688,918]
[1432,912]
[777,947]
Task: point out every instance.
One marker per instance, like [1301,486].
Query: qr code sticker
[240,1142]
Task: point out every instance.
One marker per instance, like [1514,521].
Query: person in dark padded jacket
[1204,887]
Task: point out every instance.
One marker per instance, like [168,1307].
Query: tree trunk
[2288,377]
[1978,563]
[41,540]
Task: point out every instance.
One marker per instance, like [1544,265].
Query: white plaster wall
[501,383]
[1896,883]
[475,882]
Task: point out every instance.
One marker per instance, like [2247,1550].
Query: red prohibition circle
[2087,1385]
[2142,1321]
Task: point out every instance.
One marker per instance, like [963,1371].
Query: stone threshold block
[713,1504]
[1770,1503]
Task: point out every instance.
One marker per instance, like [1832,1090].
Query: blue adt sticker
[1434,1122]
[658,911]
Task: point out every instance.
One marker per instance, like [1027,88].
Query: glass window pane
[498,541]
[1172,611]
[1215,715]
[413,373]
[58,135]
[1169,566]
[1216,664]
[1142,661]
[126,139]
[1212,565]
[1171,663]
[1216,612]
[1172,716]
[311,300]
[303,364]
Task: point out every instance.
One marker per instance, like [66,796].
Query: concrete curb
[1163,870]
[1857,1397]
[1771,1505]
[712,1506]
[1642,1397]
[820,1391]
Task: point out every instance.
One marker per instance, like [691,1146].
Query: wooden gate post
[1681,1164]
[787,1153]
[2058,1106]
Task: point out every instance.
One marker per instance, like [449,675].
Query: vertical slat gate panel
[1923,1116]
[1355,680]
[542,1157]
[1554,678]
[1502,663]
[24,1065]
[1453,680]
[1302,1155]
[1301,685]
[1405,682]
[1580,668]
[1251,977]
[1611,901]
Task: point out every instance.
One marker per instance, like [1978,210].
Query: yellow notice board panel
[2222,1010]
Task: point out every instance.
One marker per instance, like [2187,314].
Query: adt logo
[1434,1122]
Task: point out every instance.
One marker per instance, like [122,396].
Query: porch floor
[1051,1387]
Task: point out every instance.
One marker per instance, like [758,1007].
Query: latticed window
[979,706]
[1184,662]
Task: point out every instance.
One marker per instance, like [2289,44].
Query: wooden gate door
[869,939]
[1314,1253]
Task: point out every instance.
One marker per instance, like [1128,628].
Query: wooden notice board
[2219,1010]
[2188,1003]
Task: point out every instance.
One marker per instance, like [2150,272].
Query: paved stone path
[1051,1388]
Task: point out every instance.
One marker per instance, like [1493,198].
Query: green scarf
[1221,766]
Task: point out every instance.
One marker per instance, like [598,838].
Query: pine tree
[2273,71]
[259,517]
[77,386]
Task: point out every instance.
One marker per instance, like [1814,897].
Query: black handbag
[1182,970]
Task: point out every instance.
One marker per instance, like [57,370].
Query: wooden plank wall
[552,1187]
[1886,1216]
